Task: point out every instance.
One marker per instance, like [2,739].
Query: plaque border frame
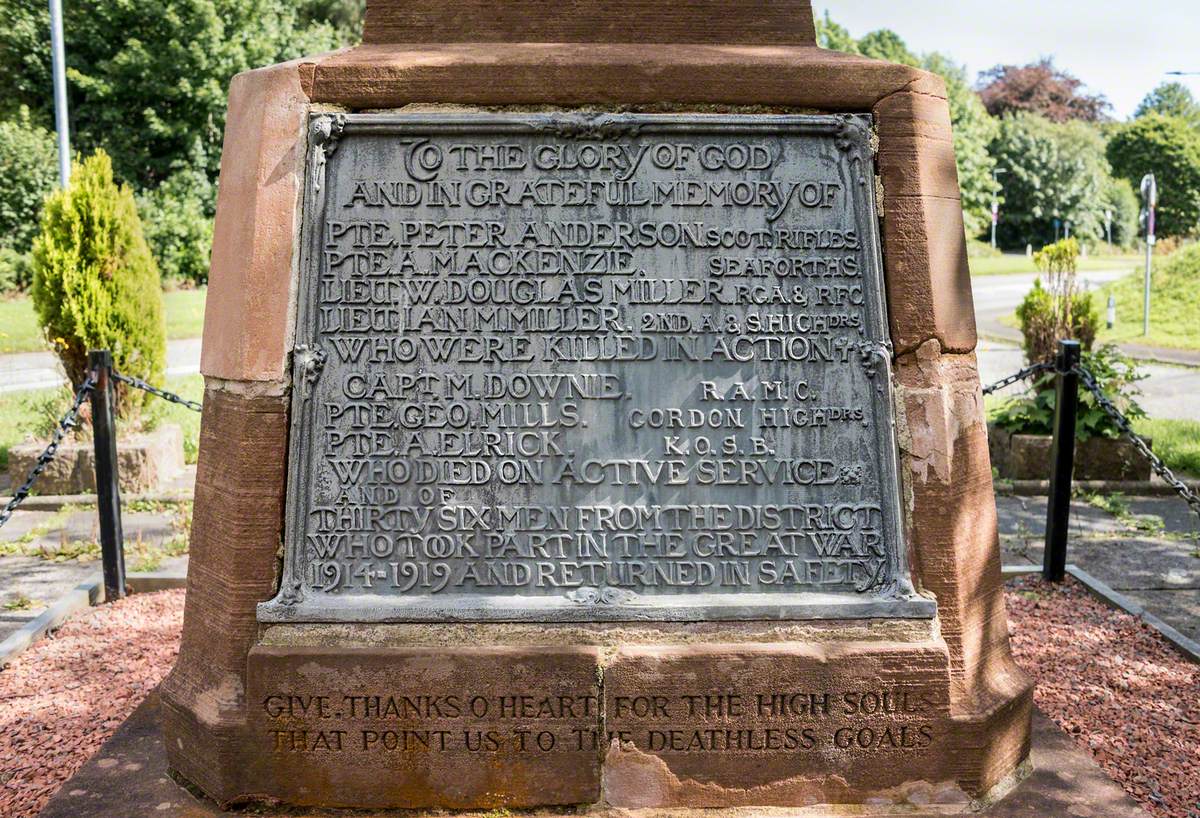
[853,134]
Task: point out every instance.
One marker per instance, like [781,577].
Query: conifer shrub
[96,284]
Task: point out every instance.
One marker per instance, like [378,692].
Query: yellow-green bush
[95,283]
[1058,309]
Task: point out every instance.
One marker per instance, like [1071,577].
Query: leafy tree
[974,130]
[1171,99]
[95,283]
[835,37]
[1053,171]
[1040,88]
[886,44]
[147,79]
[1170,149]
[973,127]
[28,171]
[1122,202]
[346,17]
[177,228]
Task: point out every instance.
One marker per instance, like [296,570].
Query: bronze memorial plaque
[554,367]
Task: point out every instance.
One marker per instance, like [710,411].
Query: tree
[974,130]
[1054,171]
[886,44]
[28,171]
[1122,202]
[1171,99]
[147,78]
[1039,88]
[973,127]
[835,37]
[95,283]
[1170,149]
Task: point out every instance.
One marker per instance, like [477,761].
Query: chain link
[138,383]
[1156,463]
[65,424]
[1045,366]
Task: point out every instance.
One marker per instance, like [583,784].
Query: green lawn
[1177,442]
[1174,307]
[1011,263]
[32,414]
[19,331]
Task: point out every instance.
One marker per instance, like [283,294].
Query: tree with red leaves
[1040,88]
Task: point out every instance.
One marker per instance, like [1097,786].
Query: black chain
[65,424]
[138,383]
[1160,468]
[1045,366]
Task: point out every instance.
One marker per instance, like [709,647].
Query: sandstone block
[424,727]
[781,724]
[928,280]
[145,462]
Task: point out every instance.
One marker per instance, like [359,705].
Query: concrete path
[40,370]
[999,295]
[42,570]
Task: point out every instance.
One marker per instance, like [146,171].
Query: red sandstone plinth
[950,711]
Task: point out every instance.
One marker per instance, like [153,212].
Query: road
[39,370]
[1168,392]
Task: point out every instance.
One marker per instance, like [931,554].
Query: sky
[1121,49]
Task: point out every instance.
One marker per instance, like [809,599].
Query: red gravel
[1116,687]
[1108,680]
[64,696]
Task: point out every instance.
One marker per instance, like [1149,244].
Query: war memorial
[592,420]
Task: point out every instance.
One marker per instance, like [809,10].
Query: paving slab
[1027,516]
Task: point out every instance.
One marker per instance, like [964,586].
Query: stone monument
[592,418]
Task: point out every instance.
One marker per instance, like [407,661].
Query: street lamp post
[1150,196]
[995,203]
[61,121]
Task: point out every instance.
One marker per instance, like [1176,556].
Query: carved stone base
[417,716]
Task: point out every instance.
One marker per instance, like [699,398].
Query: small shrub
[95,284]
[1057,310]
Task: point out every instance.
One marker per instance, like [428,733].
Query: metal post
[1062,461]
[108,490]
[1150,196]
[61,120]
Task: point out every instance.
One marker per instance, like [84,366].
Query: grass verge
[1012,263]
[1174,304]
[19,330]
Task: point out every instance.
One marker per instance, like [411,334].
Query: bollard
[1062,461]
[108,490]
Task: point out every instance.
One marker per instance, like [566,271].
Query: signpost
[1150,196]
